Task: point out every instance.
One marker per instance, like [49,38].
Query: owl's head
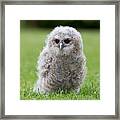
[64,41]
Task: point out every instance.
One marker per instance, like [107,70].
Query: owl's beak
[61,45]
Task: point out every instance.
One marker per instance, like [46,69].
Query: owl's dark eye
[67,41]
[57,41]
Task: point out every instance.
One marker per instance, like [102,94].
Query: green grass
[31,44]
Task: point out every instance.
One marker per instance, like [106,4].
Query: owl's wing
[43,64]
[82,66]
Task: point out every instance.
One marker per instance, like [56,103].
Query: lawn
[31,44]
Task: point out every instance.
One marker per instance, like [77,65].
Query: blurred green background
[88,24]
[32,36]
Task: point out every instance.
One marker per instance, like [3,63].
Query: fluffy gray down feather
[62,63]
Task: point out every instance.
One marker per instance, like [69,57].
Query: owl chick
[62,63]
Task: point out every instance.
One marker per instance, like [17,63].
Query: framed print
[59,59]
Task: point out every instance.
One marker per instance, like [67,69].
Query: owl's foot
[38,89]
[77,90]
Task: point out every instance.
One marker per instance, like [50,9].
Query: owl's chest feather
[63,68]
